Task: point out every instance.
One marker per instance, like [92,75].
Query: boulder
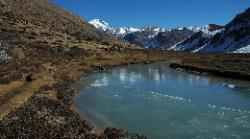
[29,78]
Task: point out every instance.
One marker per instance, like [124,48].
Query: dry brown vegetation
[225,65]
[36,88]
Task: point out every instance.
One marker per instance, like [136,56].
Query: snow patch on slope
[198,42]
[229,45]
[186,46]
[243,50]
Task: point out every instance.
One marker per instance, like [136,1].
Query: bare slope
[43,22]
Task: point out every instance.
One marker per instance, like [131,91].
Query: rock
[100,69]
[147,62]
[29,78]
[138,136]
[107,49]
[113,133]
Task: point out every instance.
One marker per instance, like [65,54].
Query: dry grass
[6,88]
[227,65]
[22,95]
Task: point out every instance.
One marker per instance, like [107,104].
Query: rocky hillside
[40,21]
[234,37]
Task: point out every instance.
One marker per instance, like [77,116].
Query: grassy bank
[225,65]
[37,92]
[36,89]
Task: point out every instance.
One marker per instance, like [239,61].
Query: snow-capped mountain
[243,50]
[147,37]
[125,30]
[234,37]
[104,26]
[144,36]
[99,24]
[168,38]
[198,39]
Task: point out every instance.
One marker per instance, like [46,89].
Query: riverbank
[235,66]
[37,93]
[38,96]
[215,72]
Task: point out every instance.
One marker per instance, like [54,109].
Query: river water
[163,103]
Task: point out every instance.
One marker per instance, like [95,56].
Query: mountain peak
[100,24]
[99,21]
[104,26]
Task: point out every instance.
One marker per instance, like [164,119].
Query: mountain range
[147,37]
[233,37]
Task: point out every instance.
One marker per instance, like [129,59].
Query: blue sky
[162,13]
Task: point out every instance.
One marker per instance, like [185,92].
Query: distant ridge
[149,36]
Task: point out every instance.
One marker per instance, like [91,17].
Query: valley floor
[37,87]
[37,91]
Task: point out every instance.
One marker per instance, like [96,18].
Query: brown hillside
[43,22]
